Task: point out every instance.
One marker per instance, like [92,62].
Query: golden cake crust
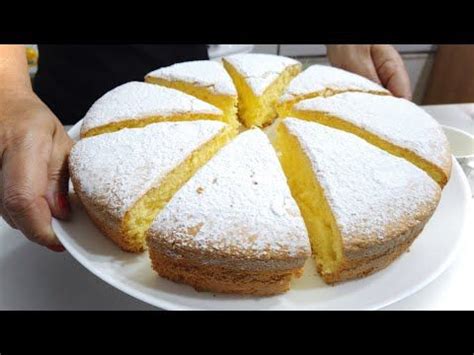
[243,260]
[363,257]
[107,223]
[203,276]
[358,247]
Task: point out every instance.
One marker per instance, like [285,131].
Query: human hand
[33,162]
[379,63]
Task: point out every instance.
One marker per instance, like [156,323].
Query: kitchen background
[438,74]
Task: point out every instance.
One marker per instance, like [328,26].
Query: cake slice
[205,79]
[363,207]
[396,125]
[124,178]
[260,80]
[137,104]
[233,227]
[323,80]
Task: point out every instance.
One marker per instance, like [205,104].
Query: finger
[6,217]
[356,59]
[24,173]
[58,177]
[366,69]
[392,71]
[3,211]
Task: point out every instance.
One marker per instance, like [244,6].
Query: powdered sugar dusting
[260,70]
[396,120]
[318,78]
[368,190]
[116,169]
[202,73]
[241,203]
[135,100]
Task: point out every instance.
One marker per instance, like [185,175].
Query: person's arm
[33,154]
[379,63]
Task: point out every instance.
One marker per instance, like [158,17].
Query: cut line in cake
[260,80]
[396,125]
[137,104]
[362,206]
[207,80]
[124,178]
[234,226]
[323,81]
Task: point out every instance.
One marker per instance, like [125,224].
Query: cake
[124,178]
[393,124]
[260,80]
[323,80]
[363,207]
[136,104]
[234,227]
[207,80]
[354,177]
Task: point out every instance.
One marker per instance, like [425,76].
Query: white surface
[32,277]
[461,142]
[459,116]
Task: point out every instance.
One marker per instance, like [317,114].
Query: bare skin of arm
[33,155]
[379,63]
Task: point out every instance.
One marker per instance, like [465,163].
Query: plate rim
[167,305]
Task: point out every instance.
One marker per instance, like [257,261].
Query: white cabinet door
[266,48]
[303,50]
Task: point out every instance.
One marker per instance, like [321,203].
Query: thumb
[58,178]
[391,70]
[367,69]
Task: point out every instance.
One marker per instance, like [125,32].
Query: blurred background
[439,74]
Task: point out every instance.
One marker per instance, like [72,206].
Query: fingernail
[63,203]
[56,248]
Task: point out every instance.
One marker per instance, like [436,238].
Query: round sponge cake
[354,178]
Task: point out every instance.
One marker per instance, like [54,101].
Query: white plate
[428,257]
